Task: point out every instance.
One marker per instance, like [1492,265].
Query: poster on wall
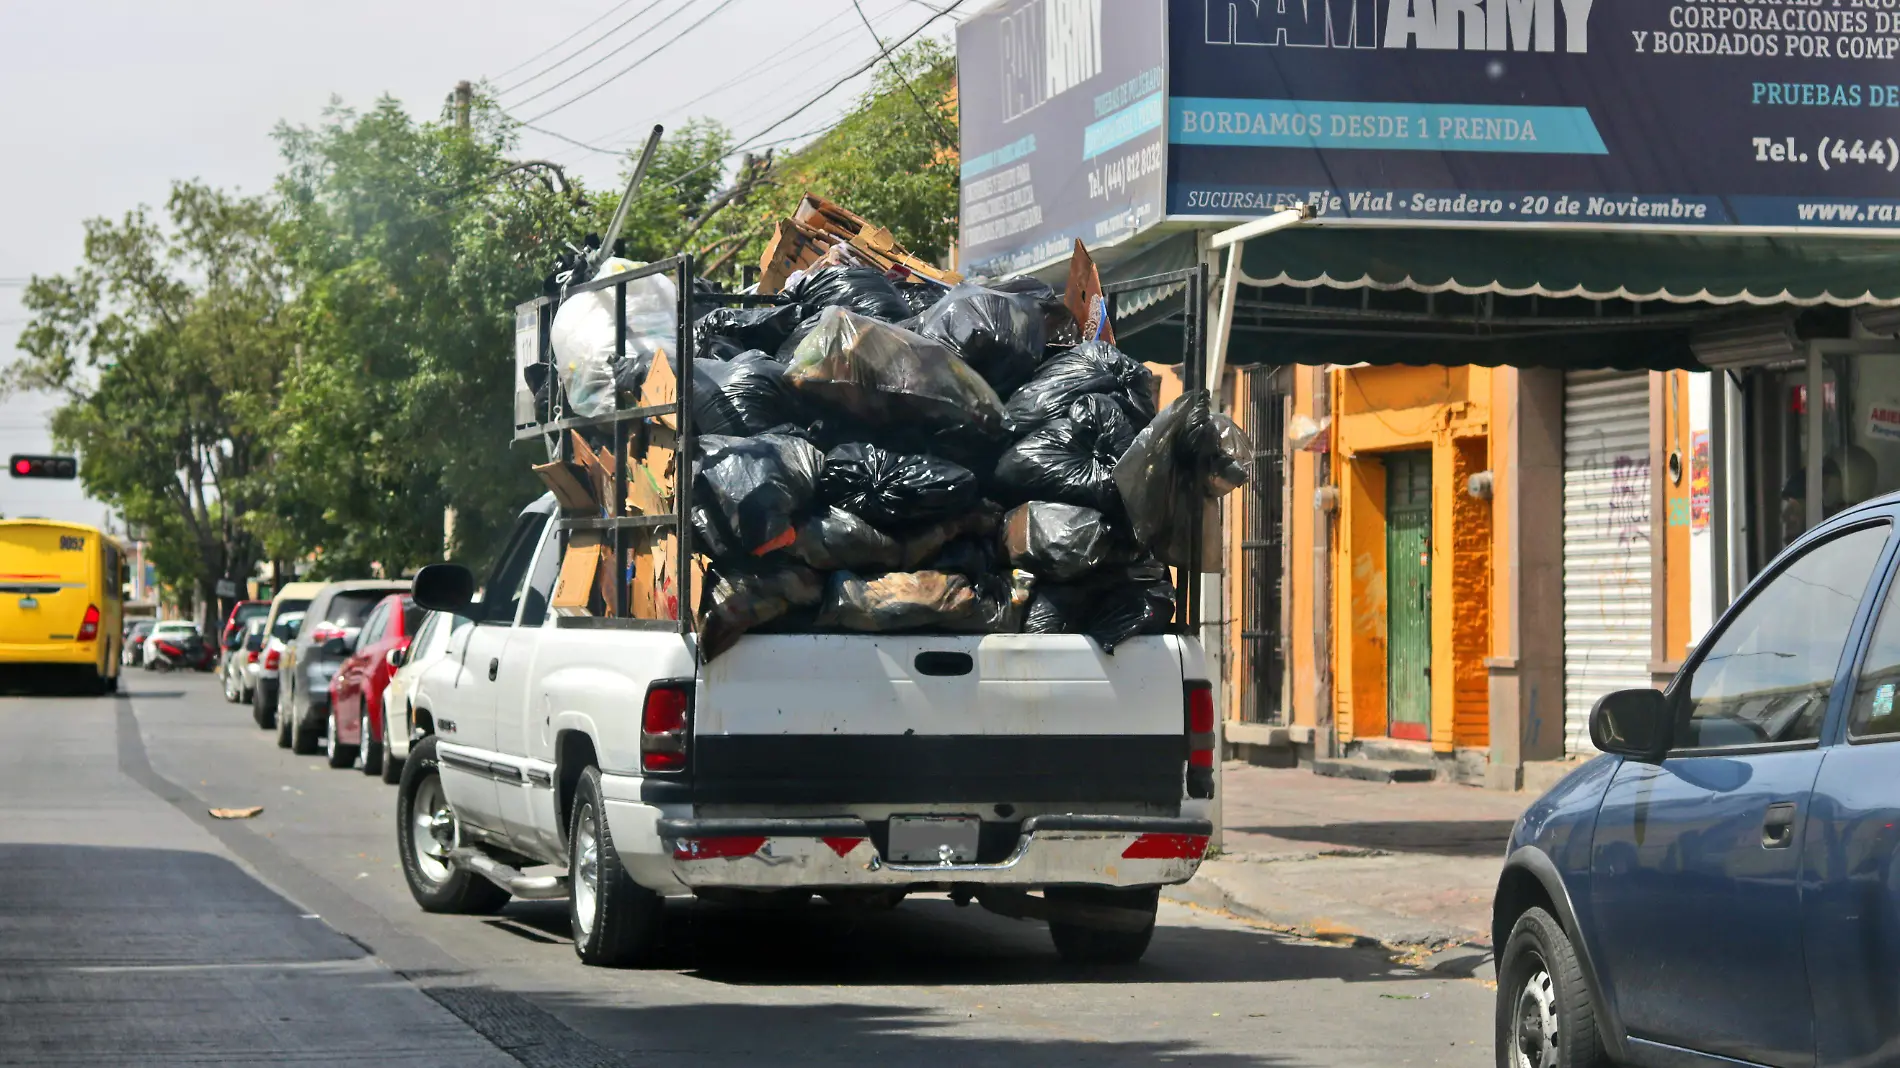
[1062,105]
[1701,482]
[1775,115]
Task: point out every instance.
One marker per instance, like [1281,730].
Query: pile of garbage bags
[879,455]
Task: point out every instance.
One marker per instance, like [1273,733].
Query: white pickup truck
[1031,773]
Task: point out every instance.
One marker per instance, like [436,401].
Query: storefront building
[1566,356]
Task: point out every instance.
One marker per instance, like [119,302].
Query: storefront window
[1859,438]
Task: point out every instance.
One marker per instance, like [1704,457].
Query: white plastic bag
[583,335]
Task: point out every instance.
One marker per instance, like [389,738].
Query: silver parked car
[241,664]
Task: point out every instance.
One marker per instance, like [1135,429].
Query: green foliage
[893,160]
[166,347]
[412,243]
[313,377]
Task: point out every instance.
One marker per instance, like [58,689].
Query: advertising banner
[1664,114]
[1063,105]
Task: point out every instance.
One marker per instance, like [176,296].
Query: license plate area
[933,839]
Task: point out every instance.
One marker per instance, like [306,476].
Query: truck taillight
[270,660]
[1200,735]
[664,724]
[89,626]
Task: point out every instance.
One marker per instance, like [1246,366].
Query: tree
[893,159]
[411,243]
[167,347]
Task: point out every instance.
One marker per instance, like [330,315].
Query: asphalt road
[137,930]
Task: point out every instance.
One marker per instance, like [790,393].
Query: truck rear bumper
[768,854]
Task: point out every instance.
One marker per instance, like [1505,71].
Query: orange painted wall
[1471,585]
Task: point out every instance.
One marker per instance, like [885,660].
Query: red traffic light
[44,467]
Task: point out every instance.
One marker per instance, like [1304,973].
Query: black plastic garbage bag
[1110,607]
[974,558]
[761,487]
[1059,327]
[1185,457]
[836,540]
[1071,460]
[725,332]
[894,490]
[1093,367]
[740,597]
[908,600]
[888,379]
[922,546]
[1000,335]
[1059,542]
[920,293]
[862,290]
[742,396]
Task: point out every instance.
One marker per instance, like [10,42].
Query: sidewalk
[1410,865]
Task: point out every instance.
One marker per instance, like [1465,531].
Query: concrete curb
[1444,950]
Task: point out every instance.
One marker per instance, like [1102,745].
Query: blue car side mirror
[1632,723]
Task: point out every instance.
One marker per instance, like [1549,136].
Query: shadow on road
[834,1033]
[1450,838]
[931,942]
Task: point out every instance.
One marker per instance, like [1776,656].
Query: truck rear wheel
[425,833]
[616,921]
[1080,944]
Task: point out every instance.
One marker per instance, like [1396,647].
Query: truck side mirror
[445,588]
[1632,723]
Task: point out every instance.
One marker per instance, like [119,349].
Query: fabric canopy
[1682,269]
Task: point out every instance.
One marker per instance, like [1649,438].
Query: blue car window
[1873,714]
[1767,677]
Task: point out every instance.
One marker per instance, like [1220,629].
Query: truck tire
[425,832]
[303,737]
[616,921]
[1091,945]
[341,756]
[1544,1012]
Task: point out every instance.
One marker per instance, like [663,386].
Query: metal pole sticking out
[626,200]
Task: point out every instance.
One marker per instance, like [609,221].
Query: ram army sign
[1762,115]
[1678,114]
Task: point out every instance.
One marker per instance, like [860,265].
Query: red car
[241,613]
[356,693]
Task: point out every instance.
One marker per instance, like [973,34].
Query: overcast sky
[108,102]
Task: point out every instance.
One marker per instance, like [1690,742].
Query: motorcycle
[170,654]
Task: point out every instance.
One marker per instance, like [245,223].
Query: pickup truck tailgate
[1022,718]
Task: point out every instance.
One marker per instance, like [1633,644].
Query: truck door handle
[1777,828]
[494,667]
[941,662]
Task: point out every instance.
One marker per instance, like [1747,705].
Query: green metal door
[1408,571]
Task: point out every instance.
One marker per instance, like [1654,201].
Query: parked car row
[340,668]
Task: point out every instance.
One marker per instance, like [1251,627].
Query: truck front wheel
[425,833]
[616,921]
[1080,944]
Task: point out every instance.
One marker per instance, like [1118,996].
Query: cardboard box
[580,567]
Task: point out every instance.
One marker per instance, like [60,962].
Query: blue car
[1722,887]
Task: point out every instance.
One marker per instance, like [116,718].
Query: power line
[589,25]
[622,47]
[550,68]
[787,53]
[930,115]
[616,76]
[884,53]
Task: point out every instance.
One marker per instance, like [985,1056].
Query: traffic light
[44,467]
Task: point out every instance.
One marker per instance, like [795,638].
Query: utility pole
[464,102]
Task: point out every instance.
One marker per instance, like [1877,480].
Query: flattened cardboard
[570,484]
[1083,295]
[579,566]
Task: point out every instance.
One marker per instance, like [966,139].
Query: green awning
[1682,269]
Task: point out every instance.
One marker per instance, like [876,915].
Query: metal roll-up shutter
[1606,542]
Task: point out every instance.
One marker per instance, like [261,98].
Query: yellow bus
[61,598]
